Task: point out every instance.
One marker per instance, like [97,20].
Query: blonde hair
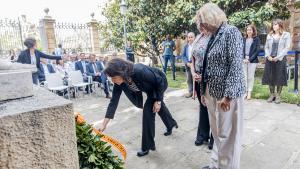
[211,14]
[191,33]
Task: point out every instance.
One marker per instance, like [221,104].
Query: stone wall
[38,133]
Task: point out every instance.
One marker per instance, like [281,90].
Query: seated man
[95,69]
[46,69]
[81,65]
[103,61]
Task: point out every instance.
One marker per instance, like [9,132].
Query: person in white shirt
[59,51]
[60,67]
[70,63]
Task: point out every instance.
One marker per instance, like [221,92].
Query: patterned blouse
[198,51]
[132,86]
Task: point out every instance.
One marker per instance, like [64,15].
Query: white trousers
[227,130]
[249,72]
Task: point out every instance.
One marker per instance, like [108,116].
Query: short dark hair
[92,55]
[30,42]
[119,67]
[59,45]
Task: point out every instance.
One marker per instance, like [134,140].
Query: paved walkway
[271,134]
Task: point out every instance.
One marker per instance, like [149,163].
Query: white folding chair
[76,80]
[55,83]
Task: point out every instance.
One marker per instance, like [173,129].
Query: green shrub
[94,153]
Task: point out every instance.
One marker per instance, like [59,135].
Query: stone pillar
[38,132]
[95,40]
[47,33]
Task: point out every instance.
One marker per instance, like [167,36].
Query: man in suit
[187,59]
[81,65]
[46,69]
[95,69]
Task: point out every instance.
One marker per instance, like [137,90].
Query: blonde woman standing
[223,86]
[276,49]
[251,50]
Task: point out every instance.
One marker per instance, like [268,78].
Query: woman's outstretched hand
[104,124]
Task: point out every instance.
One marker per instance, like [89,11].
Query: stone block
[38,133]
[15,84]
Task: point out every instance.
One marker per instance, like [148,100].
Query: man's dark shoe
[108,96]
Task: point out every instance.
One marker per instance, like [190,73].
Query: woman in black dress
[133,79]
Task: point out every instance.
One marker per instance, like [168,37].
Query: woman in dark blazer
[133,80]
[251,50]
[32,56]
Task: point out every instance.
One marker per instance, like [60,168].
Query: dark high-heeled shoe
[143,153]
[169,131]
[200,142]
[211,143]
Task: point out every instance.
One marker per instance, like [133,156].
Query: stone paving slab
[271,133]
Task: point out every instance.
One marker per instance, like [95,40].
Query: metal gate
[74,37]
[10,37]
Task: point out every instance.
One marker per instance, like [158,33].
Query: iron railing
[10,37]
[75,37]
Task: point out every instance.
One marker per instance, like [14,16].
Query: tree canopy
[148,21]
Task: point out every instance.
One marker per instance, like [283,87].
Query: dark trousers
[172,59]
[149,122]
[203,126]
[102,79]
[189,78]
[130,58]
[35,78]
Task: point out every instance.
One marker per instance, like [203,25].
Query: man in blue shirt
[81,65]
[168,48]
[187,59]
